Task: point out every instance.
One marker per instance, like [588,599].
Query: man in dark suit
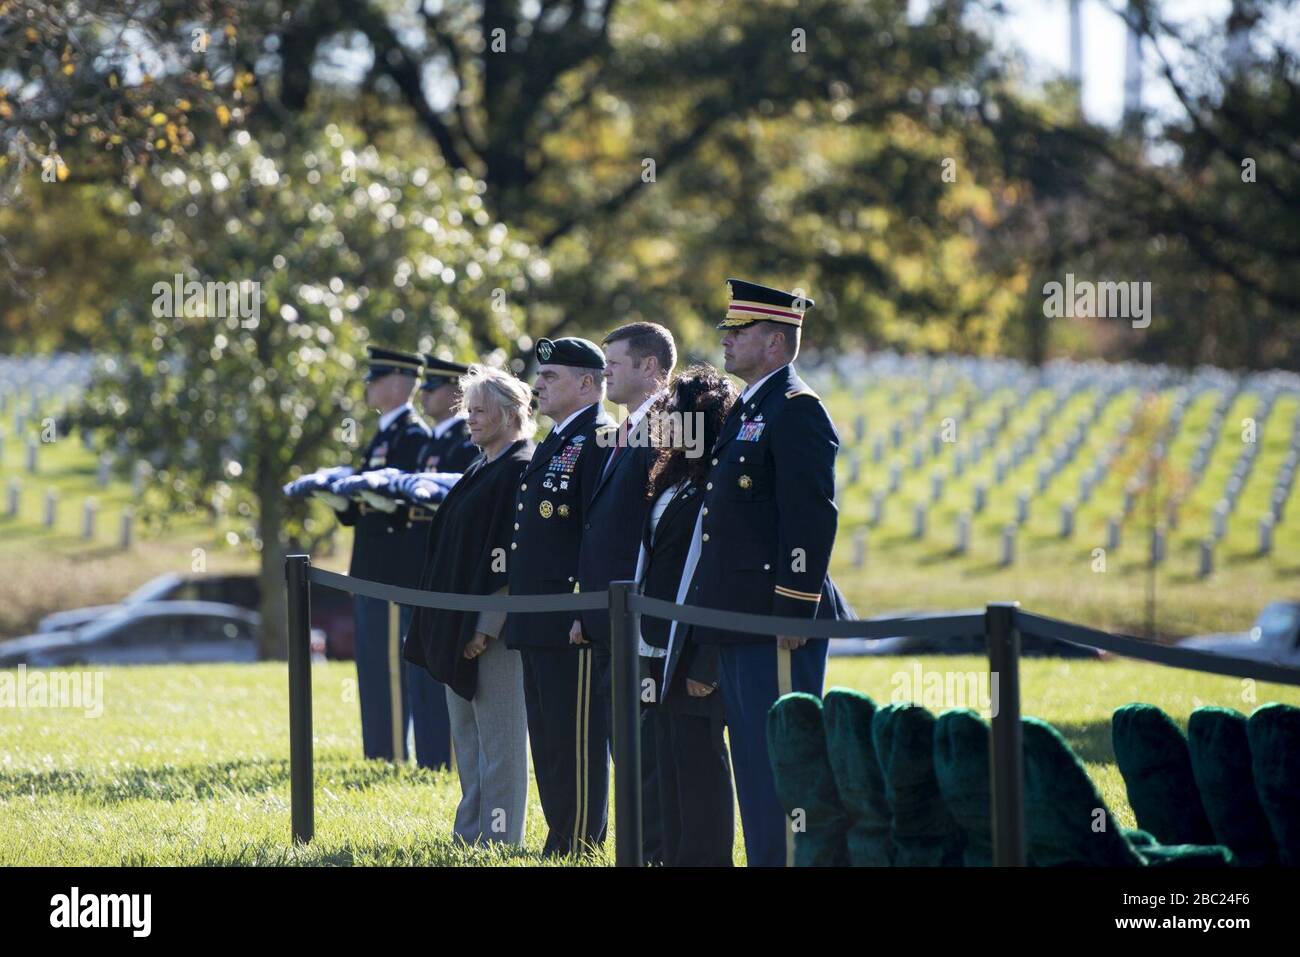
[387,549]
[639,358]
[762,542]
[568,726]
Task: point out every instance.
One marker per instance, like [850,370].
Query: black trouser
[568,732]
[695,796]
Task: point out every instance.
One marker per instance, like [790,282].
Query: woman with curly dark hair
[694,769]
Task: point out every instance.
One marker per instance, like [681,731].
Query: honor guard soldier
[568,722]
[762,543]
[386,548]
[449,448]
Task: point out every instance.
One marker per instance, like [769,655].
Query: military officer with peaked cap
[386,548]
[568,719]
[762,542]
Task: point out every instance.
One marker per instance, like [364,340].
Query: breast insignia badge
[546,509]
[745,481]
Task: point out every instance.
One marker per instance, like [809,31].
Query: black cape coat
[468,544]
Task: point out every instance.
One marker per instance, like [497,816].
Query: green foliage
[347,245]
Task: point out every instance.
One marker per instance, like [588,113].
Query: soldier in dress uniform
[388,548]
[447,449]
[762,543]
[568,723]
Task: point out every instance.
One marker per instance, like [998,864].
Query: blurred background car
[331,610]
[969,642]
[1275,637]
[155,632]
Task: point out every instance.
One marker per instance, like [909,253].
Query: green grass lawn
[189,764]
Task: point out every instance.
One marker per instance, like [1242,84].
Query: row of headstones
[89,513]
[1024,447]
[103,472]
[1008,544]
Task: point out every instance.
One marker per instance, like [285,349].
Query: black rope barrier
[1001,623]
[1041,626]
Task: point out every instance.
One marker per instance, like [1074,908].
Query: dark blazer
[385,546]
[549,512]
[468,545]
[611,530]
[663,556]
[771,518]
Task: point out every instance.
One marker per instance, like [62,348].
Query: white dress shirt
[441,428]
[563,425]
[392,415]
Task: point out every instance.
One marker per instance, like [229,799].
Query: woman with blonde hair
[468,544]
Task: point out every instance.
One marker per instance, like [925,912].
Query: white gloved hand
[336,502]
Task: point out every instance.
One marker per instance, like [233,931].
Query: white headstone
[1067,520]
[1009,545]
[51,508]
[860,548]
[88,513]
[1206,567]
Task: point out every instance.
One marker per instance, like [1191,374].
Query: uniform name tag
[750,431]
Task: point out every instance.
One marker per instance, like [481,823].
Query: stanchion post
[1006,754]
[301,801]
[624,634]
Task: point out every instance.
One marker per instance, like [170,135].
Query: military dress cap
[387,361]
[570,351]
[439,372]
[751,303]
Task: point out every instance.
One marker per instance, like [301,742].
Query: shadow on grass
[1090,740]
[198,782]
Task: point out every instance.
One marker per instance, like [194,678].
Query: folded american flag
[318,481]
[425,488]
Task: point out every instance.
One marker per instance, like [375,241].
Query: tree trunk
[272,640]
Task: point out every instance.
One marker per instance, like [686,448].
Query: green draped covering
[1220,752]
[858,779]
[923,831]
[805,786]
[961,764]
[1152,756]
[1274,733]
[1066,820]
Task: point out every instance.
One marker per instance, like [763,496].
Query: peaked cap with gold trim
[384,362]
[752,303]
